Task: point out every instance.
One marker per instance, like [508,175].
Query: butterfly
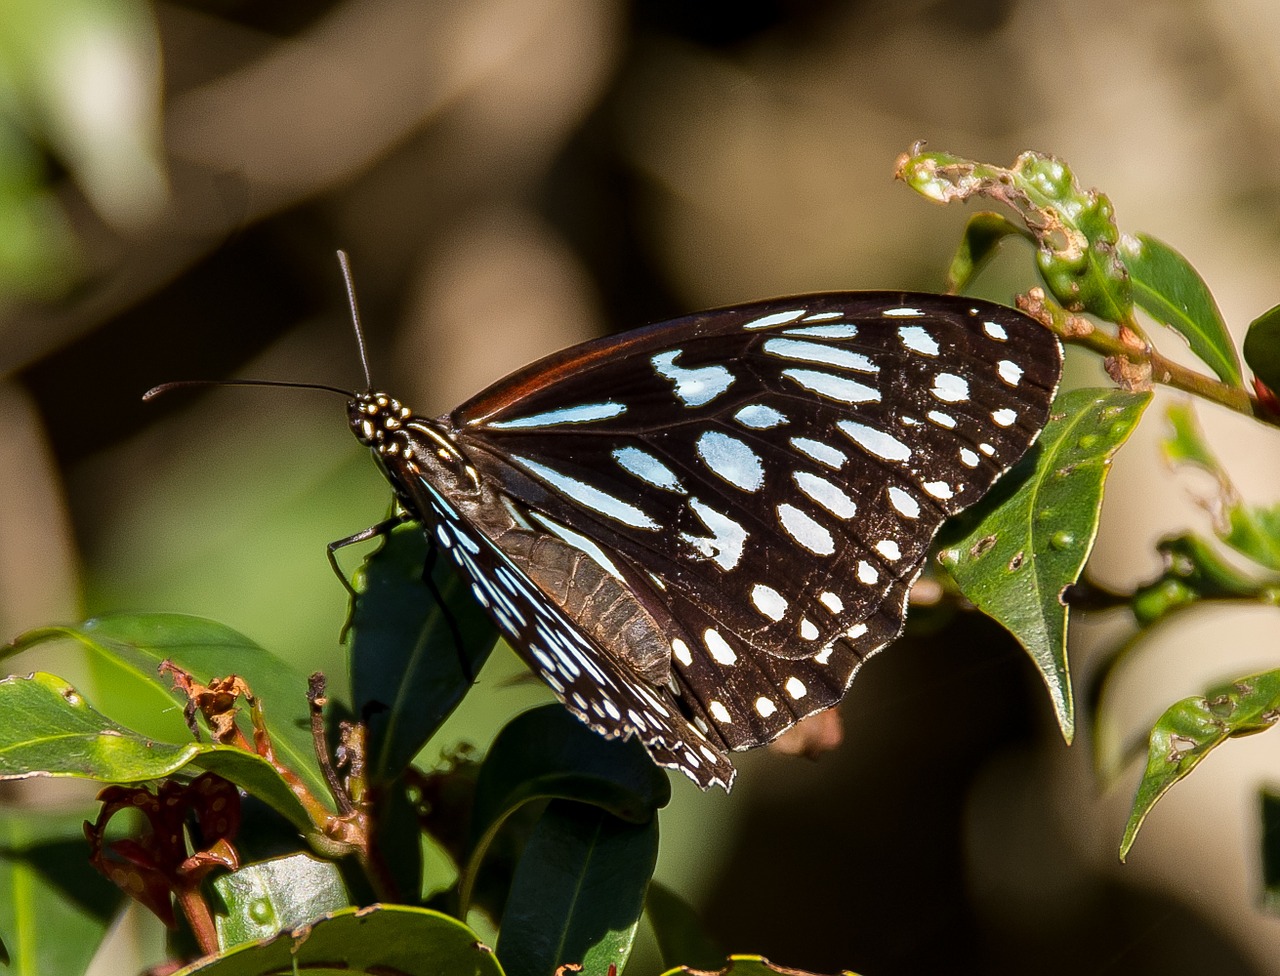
[696,532]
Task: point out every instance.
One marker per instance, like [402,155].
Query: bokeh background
[511,176]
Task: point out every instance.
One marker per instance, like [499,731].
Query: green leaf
[678,930]
[1253,531]
[1172,291]
[1191,729]
[136,644]
[747,966]
[578,892]
[48,729]
[408,672]
[1262,348]
[1074,230]
[982,237]
[261,900]
[373,941]
[1020,550]
[1193,571]
[1185,443]
[1270,802]
[546,753]
[54,908]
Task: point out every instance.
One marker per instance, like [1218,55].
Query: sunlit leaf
[1074,229]
[1191,729]
[1017,553]
[1172,292]
[373,941]
[48,729]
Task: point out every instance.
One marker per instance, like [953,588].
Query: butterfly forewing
[779,466]
[696,532]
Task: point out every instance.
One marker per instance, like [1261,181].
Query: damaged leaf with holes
[1191,729]
[1074,230]
[1016,554]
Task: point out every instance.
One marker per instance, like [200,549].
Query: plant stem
[1135,363]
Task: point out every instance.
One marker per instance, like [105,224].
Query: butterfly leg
[364,535]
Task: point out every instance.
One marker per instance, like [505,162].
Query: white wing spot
[817,352]
[719,648]
[647,468]
[1004,416]
[694,387]
[824,454]
[765,706]
[833,387]
[950,388]
[868,574]
[583,413]
[830,496]
[807,629]
[889,549]
[856,631]
[874,441]
[902,313]
[769,601]
[942,419]
[939,489]
[823,656]
[968,458]
[845,330]
[724,545]
[807,532]
[823,316]
[831,601]
[681,650]
[588,496]
[731,459]
[776,318]
[759,417]
[917,339]
[719,712]
[904,503]
[995,330]
[1010,372]
[986,449]
[796,688]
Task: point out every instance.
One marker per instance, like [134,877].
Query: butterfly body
[696,532]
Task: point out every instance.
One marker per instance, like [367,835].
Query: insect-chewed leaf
[1191,729]
[696,532]
[1031,543]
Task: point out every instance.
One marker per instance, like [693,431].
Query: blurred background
[510,176]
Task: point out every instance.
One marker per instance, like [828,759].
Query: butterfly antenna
[345,263]
[156,391]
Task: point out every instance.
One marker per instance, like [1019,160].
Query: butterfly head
[377,420]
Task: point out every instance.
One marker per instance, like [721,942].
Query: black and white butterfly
[696,532]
